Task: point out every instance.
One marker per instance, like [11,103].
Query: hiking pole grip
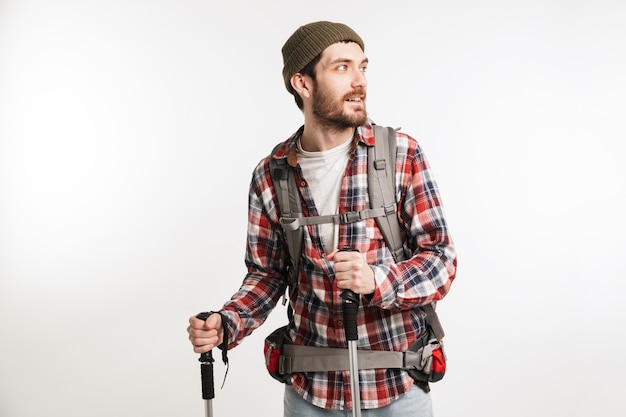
[206,368]
[350,308]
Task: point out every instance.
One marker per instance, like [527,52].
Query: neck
[317,137]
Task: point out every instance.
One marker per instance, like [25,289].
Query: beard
[330,111]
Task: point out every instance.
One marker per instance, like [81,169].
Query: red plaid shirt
[387,320]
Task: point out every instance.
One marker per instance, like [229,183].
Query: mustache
[360,91]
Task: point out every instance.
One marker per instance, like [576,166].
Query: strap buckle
[350,217]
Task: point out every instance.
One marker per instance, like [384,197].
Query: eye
[364,69]
[342,67]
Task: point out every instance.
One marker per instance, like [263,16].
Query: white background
[128,133]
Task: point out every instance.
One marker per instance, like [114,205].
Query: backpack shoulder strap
[433,320]
[381,178]
[289,204]
[381,175]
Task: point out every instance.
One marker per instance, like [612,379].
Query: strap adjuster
[391,209]
[350,217]
[380,164]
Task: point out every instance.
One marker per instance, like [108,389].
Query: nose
[359,79]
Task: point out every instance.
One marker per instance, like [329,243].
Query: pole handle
[350,308]
[206,368]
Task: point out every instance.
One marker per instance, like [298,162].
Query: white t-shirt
[324,172]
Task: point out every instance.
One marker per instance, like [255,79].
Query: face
[339,87]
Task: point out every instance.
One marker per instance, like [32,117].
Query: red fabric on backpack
[438,366]
[272,355]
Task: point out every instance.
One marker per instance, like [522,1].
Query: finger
[351,257]
[343,263]
[202,348]
[193,331]
[342,285]
[204,341]
[196,323]
[346,270]
[214,321]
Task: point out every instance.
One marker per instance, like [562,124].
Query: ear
[302,85]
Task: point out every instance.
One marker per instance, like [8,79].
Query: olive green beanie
[309,41]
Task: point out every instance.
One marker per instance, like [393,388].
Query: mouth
[356,96]
[355,99]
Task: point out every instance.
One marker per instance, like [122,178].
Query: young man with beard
[324,69]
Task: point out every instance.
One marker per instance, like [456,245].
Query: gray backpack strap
[381,182]
[299,358]
[433,320]
[290,206]
[296,222]
[381,175]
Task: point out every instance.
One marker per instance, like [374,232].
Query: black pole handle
[350,308]
[206,368]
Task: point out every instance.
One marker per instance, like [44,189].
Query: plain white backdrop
[128,133]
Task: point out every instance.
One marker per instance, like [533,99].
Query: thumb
[213,322]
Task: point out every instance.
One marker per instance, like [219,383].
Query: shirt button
[302,183]
[339,323]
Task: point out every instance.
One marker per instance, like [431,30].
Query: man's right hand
[205,334]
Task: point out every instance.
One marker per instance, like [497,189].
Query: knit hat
[309,41]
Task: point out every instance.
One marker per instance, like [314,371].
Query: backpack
[381,172]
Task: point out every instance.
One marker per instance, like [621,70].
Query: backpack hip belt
[425,360]
[297,358]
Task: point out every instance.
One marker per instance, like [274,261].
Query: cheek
[332,89]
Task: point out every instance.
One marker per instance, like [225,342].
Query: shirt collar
[364,135]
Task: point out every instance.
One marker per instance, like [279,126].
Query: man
[324,69]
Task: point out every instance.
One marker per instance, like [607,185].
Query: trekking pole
[206,372]
[350,307]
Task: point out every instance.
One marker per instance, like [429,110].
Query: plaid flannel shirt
[390,318]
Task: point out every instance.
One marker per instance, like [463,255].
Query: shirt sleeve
[266,278]
[425,277]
